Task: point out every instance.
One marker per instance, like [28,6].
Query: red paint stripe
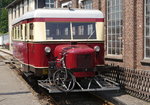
[61,20]
[68,19]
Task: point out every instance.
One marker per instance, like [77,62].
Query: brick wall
[133,35]
[141,62]
[129,33]
[96,4]
[140,36]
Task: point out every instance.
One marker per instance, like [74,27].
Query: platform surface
[6,51]
[13,91]
[121,98]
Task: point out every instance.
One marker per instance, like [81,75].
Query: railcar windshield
[58,31]
[70,30]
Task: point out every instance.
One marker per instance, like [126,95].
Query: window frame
[31,31]
[22,7]
[50,3]
[145,30]
[79,31]
[87,4]
[116,43]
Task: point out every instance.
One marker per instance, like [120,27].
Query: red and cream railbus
[66,44]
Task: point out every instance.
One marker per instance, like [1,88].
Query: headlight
[97,48]
[47,49]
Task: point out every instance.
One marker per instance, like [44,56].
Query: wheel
[64,80]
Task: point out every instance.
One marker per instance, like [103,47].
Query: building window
[27,5]
[87,4]
[18,10]
[11,13]
[23,7]
[147,29]
[114,27]
[49,3]
[15,12]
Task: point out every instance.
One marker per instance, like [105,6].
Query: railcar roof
[60,13]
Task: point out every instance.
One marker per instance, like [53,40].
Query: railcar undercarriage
[97,83]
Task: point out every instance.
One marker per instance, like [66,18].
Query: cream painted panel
[25,6]
[10,18]
[10,28]
[31,5]
[13,13]
[20,9]
[17,11]
[39,31]
[100,31]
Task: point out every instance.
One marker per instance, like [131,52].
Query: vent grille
[84,61]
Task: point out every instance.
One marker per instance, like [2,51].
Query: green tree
[4,3]
[4,15]
[4,21]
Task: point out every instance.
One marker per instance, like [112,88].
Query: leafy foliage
[4,15]
[4,21]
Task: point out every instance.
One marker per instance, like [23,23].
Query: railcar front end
[41,29]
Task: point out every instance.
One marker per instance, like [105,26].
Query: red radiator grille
[84,61]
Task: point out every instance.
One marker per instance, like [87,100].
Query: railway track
[80,98]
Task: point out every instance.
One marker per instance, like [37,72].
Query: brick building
[127,33]
[127,26]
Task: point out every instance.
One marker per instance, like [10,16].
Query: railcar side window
[17,32]
[14,32]
[58,30]
[31,31]
[25,31]
[84,31]
[21,32]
